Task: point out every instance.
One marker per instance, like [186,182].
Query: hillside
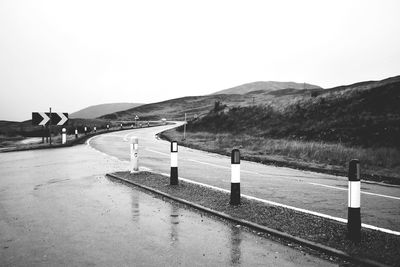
[366,114]
[96,111]
[175,109]
[266,86]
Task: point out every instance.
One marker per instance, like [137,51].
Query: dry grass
[383,161]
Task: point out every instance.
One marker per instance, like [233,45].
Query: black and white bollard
[95,129]
[235,177]
[63,136]
[85,130]
[174,163]
[121,126]
[108,127]
[354,215]
[134,154]
[76,133]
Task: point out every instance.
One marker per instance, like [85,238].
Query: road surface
[322,193]
[58,209]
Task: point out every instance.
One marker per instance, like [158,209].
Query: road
[315,192]
[58,209]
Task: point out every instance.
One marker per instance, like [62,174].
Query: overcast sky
[71,54]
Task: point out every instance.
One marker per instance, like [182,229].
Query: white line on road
[363,192]
[158,152]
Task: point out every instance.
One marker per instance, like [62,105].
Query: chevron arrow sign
[43,118]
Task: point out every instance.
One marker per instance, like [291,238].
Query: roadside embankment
[295,228]
[71,140]
[378,165]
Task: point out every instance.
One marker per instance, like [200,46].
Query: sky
[68,55]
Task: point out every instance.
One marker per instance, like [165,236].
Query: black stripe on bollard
[174,163]
[235,177]
[354,209]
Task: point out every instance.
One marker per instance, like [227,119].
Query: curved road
[314,192]
[58,209]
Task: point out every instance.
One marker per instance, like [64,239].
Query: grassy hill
[175,109]
[96,111]
[366,114]
[267,87]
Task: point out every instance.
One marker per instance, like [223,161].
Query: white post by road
[64,136]
[95,129]
[174,163]
[134,154]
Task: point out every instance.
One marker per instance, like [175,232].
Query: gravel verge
[376,246]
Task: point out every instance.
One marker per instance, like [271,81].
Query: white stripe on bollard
[134,146]
[64,136]
[235,173]
[354,194]
[76,133]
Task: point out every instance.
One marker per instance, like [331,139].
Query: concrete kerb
[260,228]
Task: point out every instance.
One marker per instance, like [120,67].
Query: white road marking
[291,207]
[362,192]
[158,152]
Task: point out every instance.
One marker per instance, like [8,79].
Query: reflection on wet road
[57,208]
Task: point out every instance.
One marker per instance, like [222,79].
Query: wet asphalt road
[57,208]
[327,194]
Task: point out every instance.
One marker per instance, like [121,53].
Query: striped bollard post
[85,130]
[76,133]
[235,177]
[134,154]
[174,163]
[63,136]
[95,129]
[354,192]
[108,127]
[121,126]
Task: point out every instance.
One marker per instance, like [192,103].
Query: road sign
[43,118]
[40,118]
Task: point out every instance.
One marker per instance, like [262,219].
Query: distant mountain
[96,111]
[266,86]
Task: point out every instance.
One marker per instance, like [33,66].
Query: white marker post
[63,136]
[354,195]
[235,177]
[85,129]
[95,129]
[76,133]
[174,163]
[134,154]
[121,126]
[108,127]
